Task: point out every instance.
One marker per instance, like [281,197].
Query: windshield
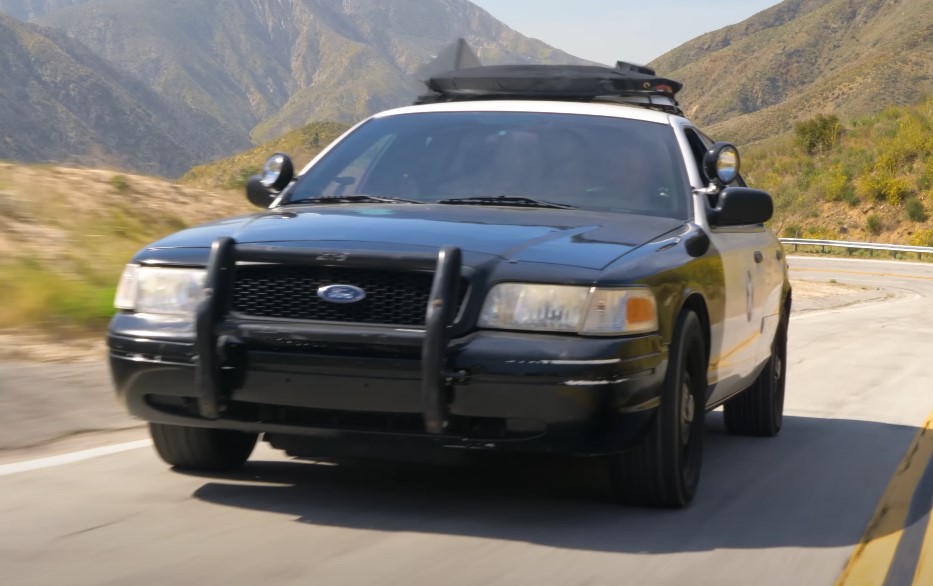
[589,162]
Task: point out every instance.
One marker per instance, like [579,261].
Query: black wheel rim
[691,433]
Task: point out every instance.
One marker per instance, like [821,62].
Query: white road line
[63,459]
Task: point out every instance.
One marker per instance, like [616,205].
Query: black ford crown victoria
[562,270]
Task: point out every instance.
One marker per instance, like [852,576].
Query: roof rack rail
[625,83]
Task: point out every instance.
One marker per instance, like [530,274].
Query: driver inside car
[636,180]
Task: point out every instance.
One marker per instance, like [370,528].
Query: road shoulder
[815,295]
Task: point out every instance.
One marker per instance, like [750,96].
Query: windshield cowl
[506,200]
[337,199]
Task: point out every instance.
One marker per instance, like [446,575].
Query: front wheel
[664,471]
[202,449]
[759,409]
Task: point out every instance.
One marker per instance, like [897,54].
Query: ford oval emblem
[341,293]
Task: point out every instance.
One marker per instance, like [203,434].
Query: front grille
[290,292]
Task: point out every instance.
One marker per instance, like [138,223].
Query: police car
[530,258]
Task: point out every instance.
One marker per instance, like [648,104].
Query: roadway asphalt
[787,510]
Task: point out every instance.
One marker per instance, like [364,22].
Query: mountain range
[753,80]
[162,85]
[29,9]
[255,69]
[61,102]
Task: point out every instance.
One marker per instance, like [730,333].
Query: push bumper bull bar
[215,329]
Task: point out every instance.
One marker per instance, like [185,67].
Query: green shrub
[896,190]
[819,134]
[850,197]
[912,141]
[868,186]
[925,180]
[821,233]
[922,237]
[792,231]
[241,176]
[888,162]
[873,224]
[36,295]
[915,210]
[120,183]
[883,186]
[838,187]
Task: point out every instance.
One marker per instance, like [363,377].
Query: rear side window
[698,148]
[699,144]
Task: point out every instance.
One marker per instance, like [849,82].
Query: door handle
[758,256]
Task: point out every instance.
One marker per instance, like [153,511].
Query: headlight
[160,290]
[571,309]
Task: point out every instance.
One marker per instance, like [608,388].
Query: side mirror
[257,194]
[721,164]
[276,174]
[739,206]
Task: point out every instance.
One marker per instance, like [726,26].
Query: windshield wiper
[327,199]
[507,200]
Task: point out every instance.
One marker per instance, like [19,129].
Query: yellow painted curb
[924,573]
[874,554]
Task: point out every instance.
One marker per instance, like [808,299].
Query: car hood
[565,237]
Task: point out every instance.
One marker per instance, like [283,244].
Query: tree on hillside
[818,134]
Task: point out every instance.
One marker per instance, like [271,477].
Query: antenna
[465,56]
[457,55]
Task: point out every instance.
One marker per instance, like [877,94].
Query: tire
[664,471]
[202,449]
[759,409]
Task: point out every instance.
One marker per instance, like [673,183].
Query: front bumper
[510,391]
[373,384]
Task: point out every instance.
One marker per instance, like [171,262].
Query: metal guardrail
[850,246]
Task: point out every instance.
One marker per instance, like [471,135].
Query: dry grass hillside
[302,145]
[65,234]
[864,179]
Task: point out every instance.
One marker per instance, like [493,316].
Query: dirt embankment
[47,212]
[821,295]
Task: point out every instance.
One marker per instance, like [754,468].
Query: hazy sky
[606,31]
